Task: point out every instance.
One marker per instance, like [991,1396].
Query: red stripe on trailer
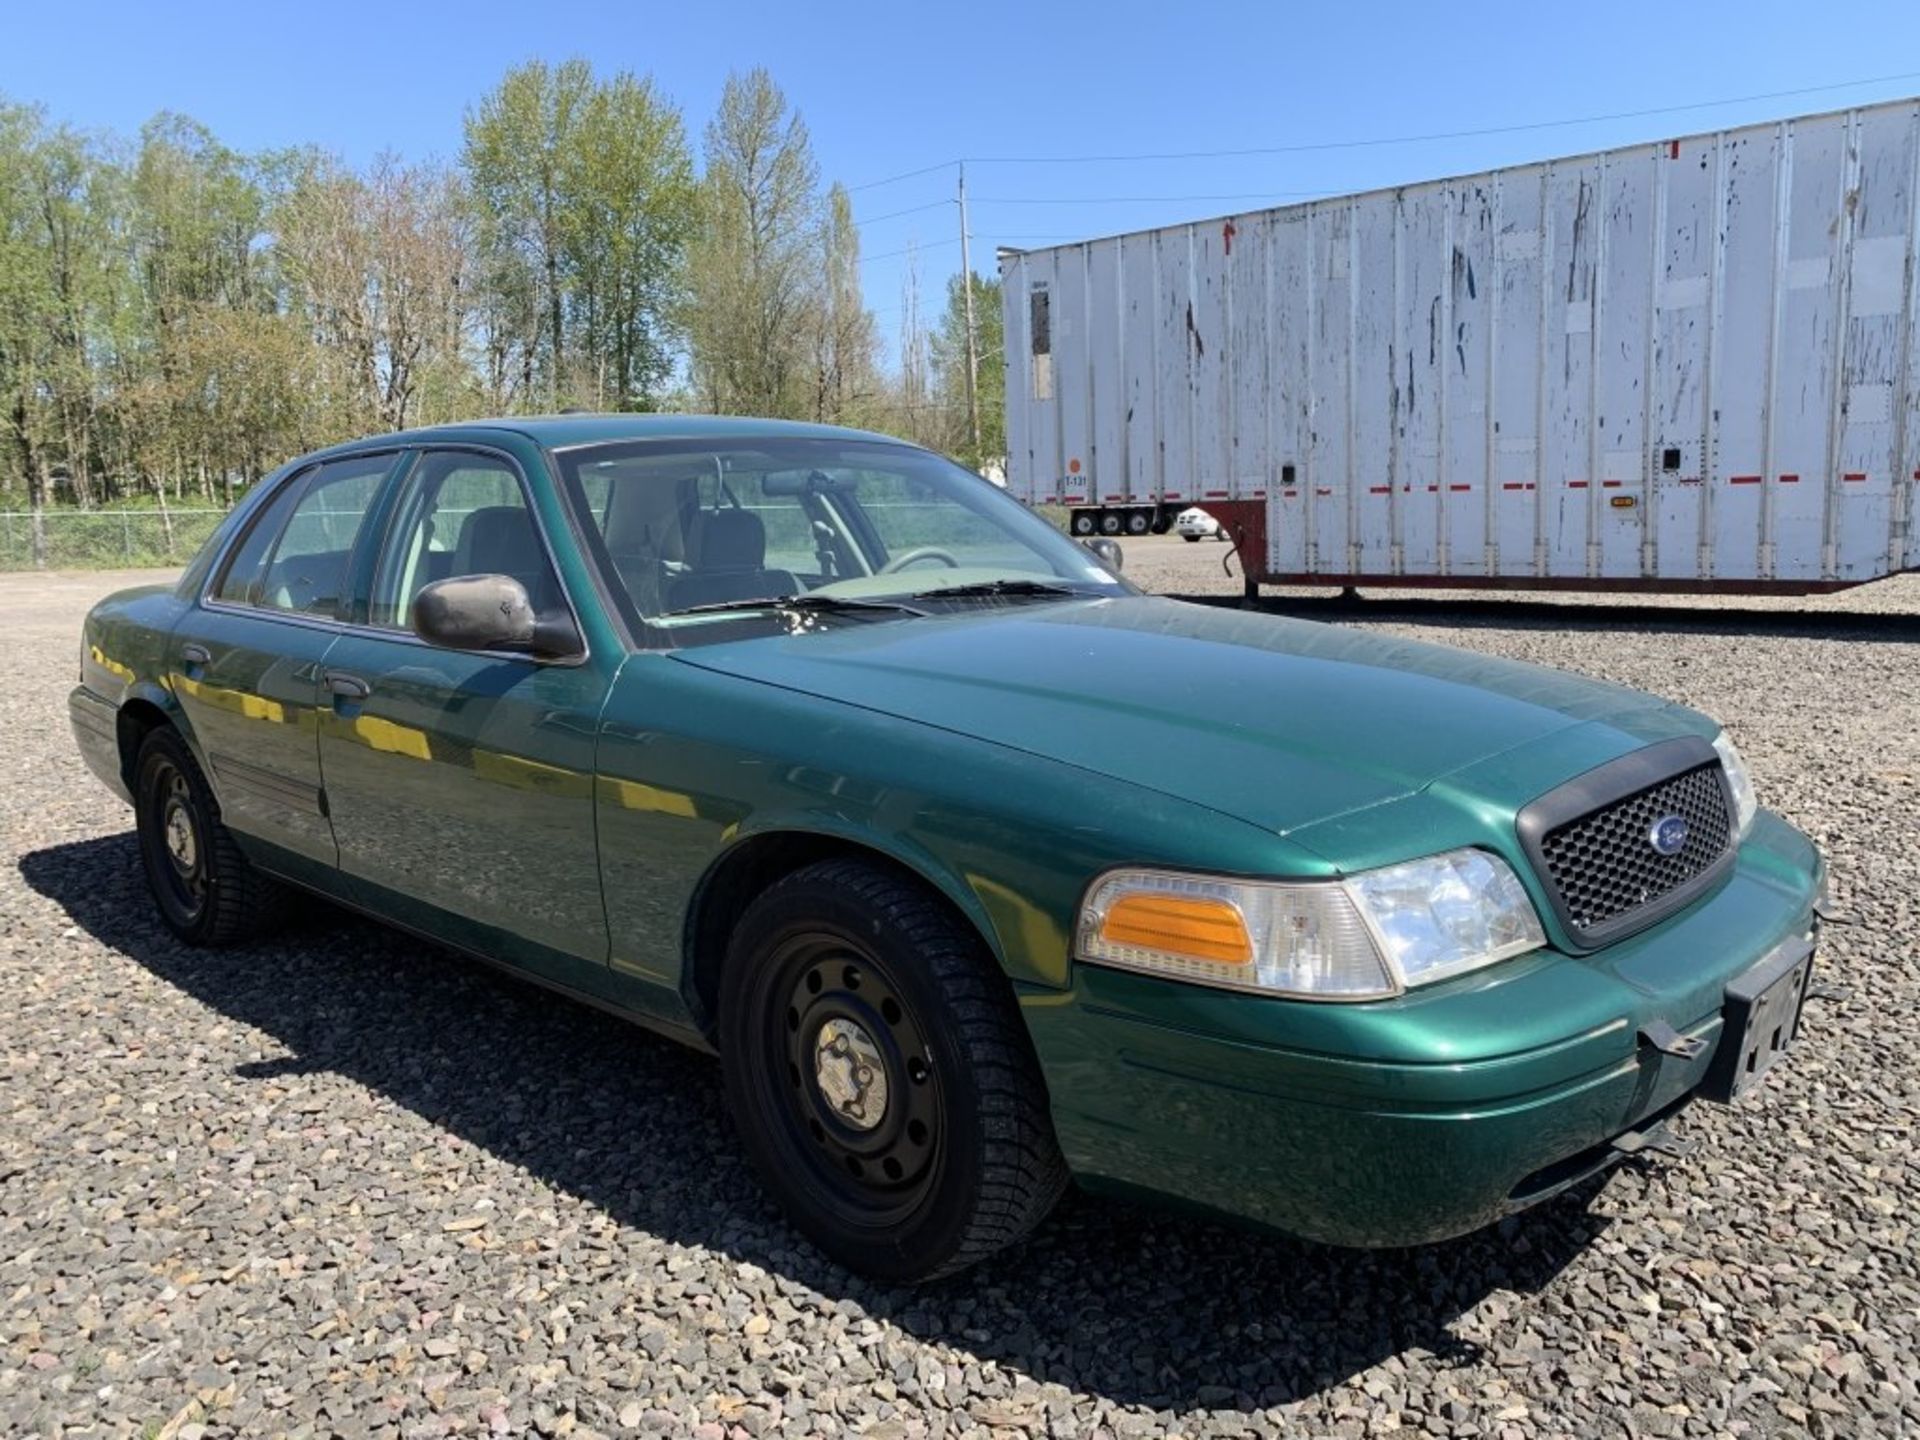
[1114,497]
[1288,494]
[1458,488]
[1612,484]
[1323,490]
[1674,152]
[1744,479]
[1578,484]
[1433,489]
[1853,477]
[1388,489]
[1171,495]
[1517,485]
[1216,494]
[1789,479]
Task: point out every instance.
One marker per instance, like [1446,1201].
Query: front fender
[903,848]
[693,764]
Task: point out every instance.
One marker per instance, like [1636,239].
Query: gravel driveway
[343,1184]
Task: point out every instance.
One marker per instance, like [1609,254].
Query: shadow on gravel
[1878,627]
[1137,1306]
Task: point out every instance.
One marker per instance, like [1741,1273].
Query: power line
[1144,199]
[904,175]
[1435,135]
[910,210]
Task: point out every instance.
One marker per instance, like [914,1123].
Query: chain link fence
[102,539]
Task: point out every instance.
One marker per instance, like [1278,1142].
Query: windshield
[691,534]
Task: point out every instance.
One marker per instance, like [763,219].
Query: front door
[246,662]
[461,784]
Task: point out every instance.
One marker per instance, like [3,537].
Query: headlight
[1740,782]
[1371,936]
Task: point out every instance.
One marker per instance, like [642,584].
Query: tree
[845,388]
[178,316]
[582,199]
[376,265]
[629,210]
[948,350]
[754,275]
[199,249]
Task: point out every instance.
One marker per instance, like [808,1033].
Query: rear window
[295,558]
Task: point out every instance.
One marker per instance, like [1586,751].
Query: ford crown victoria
[810,748]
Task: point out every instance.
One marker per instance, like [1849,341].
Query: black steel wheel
[1083,522]
[206,890]
[881,1076]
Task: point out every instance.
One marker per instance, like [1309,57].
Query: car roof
[557,431]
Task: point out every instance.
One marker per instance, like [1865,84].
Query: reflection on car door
[461,784]
[245,664]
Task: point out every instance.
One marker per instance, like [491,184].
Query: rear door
[245,663]
[460,783]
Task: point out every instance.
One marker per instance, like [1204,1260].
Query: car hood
[1281,723]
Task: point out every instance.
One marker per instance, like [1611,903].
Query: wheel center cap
[849,1072]
[180,841]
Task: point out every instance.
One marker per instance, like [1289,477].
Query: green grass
[105,539]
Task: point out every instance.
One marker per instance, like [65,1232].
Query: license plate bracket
[1761,1020]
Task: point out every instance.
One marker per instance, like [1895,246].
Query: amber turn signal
[1199,927]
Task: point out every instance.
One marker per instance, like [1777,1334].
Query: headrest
[499,540]
[732,539]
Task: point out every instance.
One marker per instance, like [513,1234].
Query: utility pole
[973,356]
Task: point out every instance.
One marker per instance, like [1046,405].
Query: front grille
[1603,867]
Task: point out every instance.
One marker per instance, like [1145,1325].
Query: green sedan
[980,869]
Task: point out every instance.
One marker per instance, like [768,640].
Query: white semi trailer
[1691,365]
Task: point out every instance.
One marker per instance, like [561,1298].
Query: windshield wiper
[827,604]
[980,588]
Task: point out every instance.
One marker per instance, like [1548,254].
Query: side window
[296,558]
[246,573]
[462,514]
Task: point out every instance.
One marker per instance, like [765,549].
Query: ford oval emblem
[1668,835]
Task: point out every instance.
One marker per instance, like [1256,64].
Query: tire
[1109,523]
[1139,522]
[205,889]
[881,1077]
[1191,539]
[1083,522]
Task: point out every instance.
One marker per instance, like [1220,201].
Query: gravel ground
[344,1185]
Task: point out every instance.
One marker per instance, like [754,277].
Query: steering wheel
[915,556]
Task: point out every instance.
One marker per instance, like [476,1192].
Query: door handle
[192,654]
[347,687]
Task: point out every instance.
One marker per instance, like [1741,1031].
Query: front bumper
[1419,1118]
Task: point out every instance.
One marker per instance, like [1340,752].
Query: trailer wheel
[1162,522]
[1109,523]
[1139,522]
[1083,522]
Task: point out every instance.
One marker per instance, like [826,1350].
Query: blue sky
[892,88]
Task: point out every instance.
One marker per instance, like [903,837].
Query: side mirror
[1108,550]
[478,612]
